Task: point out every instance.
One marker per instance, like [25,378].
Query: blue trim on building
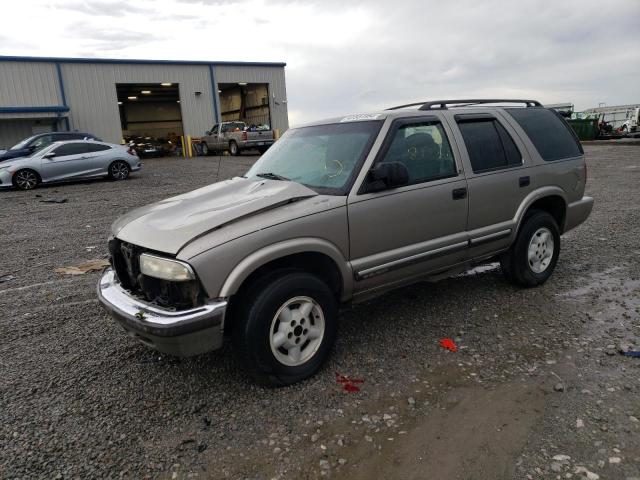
[48,109]
[126,61]
[214,93]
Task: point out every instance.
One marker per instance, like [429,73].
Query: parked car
[149,147]
[235,137]
[69,160]
[42,140]
[343,210]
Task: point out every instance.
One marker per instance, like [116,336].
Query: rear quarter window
[550,135]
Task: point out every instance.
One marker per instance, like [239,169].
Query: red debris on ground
[348,384]
[448,344]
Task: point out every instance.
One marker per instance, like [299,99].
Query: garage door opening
[150,116]
[245,102]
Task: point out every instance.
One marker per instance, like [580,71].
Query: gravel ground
[538,388]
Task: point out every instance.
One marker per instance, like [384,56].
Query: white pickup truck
[235,137]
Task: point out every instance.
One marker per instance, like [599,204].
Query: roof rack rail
[442,104]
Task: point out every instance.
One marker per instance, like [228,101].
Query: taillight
[244,135]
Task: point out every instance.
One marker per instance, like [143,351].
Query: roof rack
[442,104]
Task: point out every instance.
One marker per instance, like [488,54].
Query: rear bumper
[183,333]
[578,212]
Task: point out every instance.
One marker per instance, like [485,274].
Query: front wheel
[119,170]
[286,327]
[205,149]
[532,258]
[233,148]
[25,179]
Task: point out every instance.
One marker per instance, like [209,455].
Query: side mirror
[208,132]
[388,175]
[31,148]
[49,155]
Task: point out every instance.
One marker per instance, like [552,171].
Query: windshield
[325,158]
[22,144]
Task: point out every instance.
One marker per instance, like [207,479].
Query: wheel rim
[297,330]
[26,180]
[541,247]
[233,149]
[205,149]
[119,171]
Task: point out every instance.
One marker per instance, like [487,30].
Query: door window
[424,149]
[41,142]
[489,145]
[70,149]
[214,130]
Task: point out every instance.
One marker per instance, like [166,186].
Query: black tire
[26,179]
[234,149]
[119,170]
[261,150]
[256,316]
[516,264]
[205,149]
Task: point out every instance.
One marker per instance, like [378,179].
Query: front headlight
[165,268]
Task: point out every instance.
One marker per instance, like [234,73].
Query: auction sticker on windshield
[362,116]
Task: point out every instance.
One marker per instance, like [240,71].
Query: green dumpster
[586,129]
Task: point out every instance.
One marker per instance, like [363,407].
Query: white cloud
[361,55]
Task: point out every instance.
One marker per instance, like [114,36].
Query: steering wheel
[333,168]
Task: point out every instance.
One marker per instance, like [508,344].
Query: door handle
[524,181]
[459,193]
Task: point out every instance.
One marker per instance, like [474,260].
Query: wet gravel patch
[79,399]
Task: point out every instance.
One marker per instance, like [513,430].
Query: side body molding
[282,249]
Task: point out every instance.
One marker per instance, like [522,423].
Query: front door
[400,233]
[69,160]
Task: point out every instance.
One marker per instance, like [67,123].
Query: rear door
[69,160]
[97,158]
[400,233]
[498,176]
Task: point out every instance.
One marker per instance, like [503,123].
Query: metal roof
[131,61]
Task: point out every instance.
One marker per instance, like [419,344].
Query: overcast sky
[353,56]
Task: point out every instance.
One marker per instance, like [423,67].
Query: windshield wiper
[271,176]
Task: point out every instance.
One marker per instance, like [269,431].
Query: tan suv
[342,210]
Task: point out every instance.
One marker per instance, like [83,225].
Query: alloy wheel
[26,180]
[297,330]
[540,250]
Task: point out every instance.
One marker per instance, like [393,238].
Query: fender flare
[283,249]
[532,197]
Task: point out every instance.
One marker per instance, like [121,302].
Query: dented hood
[167,226]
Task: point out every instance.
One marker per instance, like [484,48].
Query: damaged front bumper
[177,332]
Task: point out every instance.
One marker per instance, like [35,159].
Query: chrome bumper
[184,332]
[578,212]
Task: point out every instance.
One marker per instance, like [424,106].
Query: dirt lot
[537,389]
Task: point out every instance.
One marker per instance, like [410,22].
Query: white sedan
[70,160]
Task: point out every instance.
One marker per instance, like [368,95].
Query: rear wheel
[26,179]
[286,327]
[119,170]
[233,148]
[533,257]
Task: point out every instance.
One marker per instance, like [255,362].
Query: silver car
[63,161]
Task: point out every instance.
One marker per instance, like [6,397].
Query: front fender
[282,249]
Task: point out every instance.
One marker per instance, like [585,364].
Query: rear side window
[96,147]
[549,134]
[489,145]
[70,149]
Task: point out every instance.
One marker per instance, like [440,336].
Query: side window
[551,135]
[424,149]
[489,145]
[41,142]
[70,149]
[214,130]
[97,147]
[225,127]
